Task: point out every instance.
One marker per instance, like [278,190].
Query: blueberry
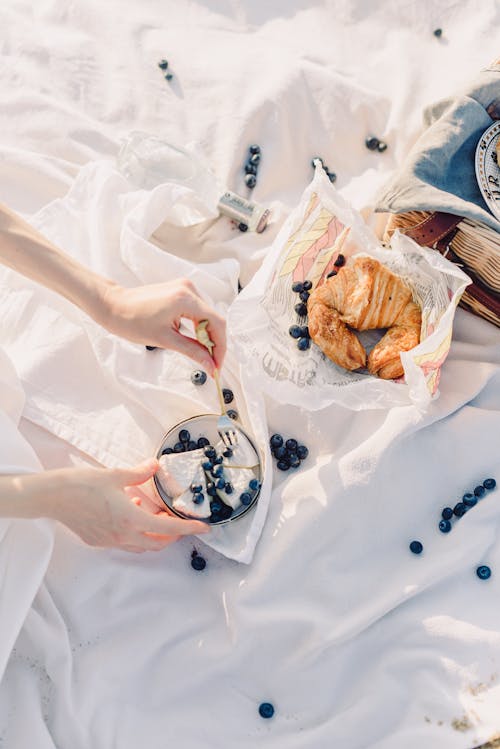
[372,143]
[304,332]
[332,177]
[447,513]
[229,488]
[217,461]
[254,149]
[207,465]
[179,447]
[304,295]
[254,158]
[228,453]
[280,452]
[276,440]
[198,498]
[198,377]
[283,465]
[220,483]
[294,331]
[298,287]
[303,344]
[294,461]
[202,442]
[307,285]
[253,484]
[184,435]
[331,274]
[340,261]
[266,710]
[302,452]
[483,572]
[195,488]
[191,445]
[291,445]
[210,452]
[163,64]
[169,77]
[469,499]
[151,348]
[438,33]
[217,471]
[250,168]
[444,526]
[489,484]
[301,309]
[242,227]
[216,505]
[228,395]
[250,181]
[198,563]
[232,413]
[382,147]
[314,159]
[459,509]
[211,489]
[480,491]
[245,498]
[167,451]
[416,547]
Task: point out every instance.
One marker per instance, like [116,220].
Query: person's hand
[106,508]
[152,314]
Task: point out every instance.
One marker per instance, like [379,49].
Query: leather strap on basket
[432,229]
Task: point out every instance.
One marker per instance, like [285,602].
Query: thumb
[194,350]
[139,474]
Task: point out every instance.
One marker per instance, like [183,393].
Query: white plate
[205,425]
[487,169]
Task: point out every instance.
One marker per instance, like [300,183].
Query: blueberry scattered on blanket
[438,33]
[447,513]
[460,509]
[228,395]
[289,454]
[151,348]
[251,165]
[372,143]
[483,572]
[444,526]
[276,441]
[198,377]
[382,147]
[416,547]
[198,562]
[254,159]
[469,499]
[250,168]
[242,227]
[250,181]
[163,64]
[232,413]
[479,491]
[489,484]
[168,76]
[266,710]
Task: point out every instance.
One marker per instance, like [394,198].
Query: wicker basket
[472,245]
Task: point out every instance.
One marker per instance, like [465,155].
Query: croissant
[364,295]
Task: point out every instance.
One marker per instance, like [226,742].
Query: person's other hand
[106,508]
[151,315]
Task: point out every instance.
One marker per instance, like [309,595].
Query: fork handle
[219,391]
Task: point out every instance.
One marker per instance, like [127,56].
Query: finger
[191,348]
[137,475]
[146,502]
[160,539]
[166,525]
[197,310]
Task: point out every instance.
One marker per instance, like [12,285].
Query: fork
[225,427]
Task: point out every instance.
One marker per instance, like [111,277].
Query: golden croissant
[364,295]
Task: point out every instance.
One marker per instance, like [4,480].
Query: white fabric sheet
[355,641]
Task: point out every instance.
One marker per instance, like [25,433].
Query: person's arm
[148,314]
[105,507]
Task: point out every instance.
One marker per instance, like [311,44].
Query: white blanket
[357,642]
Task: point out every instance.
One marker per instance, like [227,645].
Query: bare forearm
[29,495]
[23,249]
